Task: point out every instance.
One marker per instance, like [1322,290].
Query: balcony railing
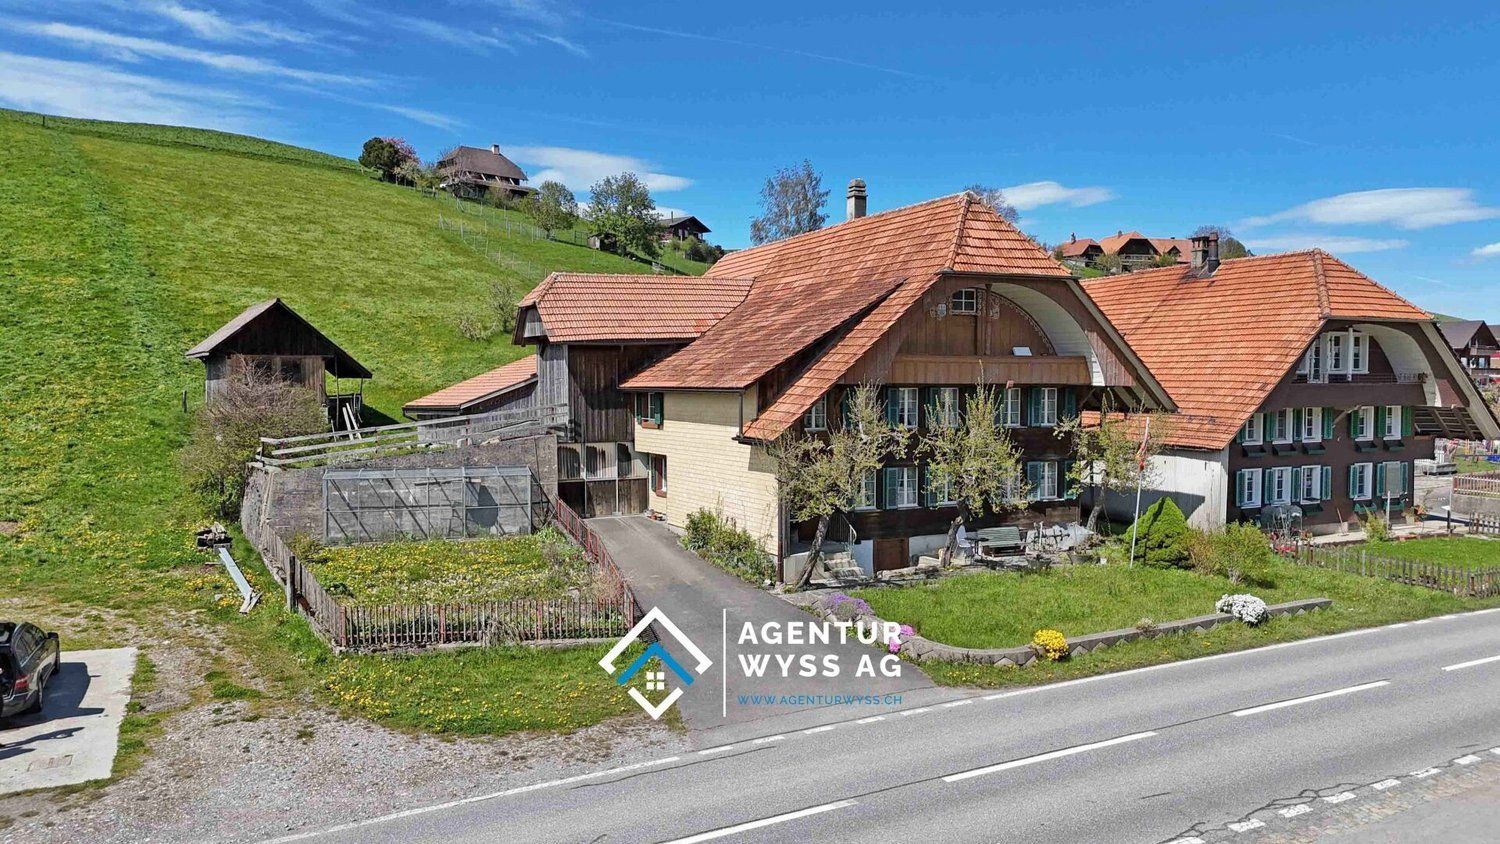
[1365,378]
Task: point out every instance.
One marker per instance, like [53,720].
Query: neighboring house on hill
[1300,383]
[1134,250]
[1474,343]
[682,228]
[509,387]
[474,173]
[276,342]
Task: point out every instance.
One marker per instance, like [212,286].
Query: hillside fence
[608,613]
[330,447]
[1464,582]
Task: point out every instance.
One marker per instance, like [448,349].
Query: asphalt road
[1159,754]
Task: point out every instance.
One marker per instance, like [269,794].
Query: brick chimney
[857,198]
[495,148]
[1206,254]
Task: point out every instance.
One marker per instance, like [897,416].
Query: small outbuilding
[682,227]
[277,342]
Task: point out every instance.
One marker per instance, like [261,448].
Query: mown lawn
[117,257]
[1463,552]
[993,610]
[538,566]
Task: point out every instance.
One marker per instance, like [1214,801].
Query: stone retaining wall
[922,649]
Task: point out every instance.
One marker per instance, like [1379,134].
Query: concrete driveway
[711,608]
[75,737]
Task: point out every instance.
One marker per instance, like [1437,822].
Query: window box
[1284,448]
[1394,445]
[1366,445]
[1314,448]
[1255,451]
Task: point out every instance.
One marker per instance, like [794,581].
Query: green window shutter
[1379,421]
[1328,414]
[1239,435]
[1297,423]
[658,402]
[1033,479]
[1069,402]
[892,412]
[845,402]
[1405,423]
[888,499]
[1327,487]
[1033,406]
[1353,415]
[1239,487]
[1065,478]
[1266,483]
[1379,491]
[1349,481]
[1405,478]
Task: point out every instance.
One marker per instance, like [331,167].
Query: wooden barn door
[891,554]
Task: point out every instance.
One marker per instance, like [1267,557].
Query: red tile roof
[1074,248]
[1220,344]
[807,286]
[600,308]
[478,388]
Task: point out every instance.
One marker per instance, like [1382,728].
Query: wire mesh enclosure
[371,505]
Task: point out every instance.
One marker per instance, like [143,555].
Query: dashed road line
[1255,710]
[823,729]
[762,823]
[1294,811]
[1384,784]
[870,720]
[1246,826]
[1466,760]
[712,750]
[767,739]
[1044,757]
[1424,774]
[1341,797]
[1194,840]
[1471,663]
[952,703]
[906,713]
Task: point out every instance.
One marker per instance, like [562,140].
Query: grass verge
[1462,552]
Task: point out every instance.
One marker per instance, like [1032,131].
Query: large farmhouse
[1301,383]
[477,173]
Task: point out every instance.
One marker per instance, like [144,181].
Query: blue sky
[1364,128]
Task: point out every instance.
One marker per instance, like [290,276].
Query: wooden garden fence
[608,613]
[1476,583]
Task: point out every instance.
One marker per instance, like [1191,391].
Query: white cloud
[210,25]
[131,48]
[1407,208]
[81,89]
[1491,250]
[1335,243]
[431,118]
[579,168]
[1036,194]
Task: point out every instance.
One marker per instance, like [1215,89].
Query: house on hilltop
[682,227]
[475,173]
[1303,386]
[1474,343]
[1134,250]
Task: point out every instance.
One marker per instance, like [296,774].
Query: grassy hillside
[123,246]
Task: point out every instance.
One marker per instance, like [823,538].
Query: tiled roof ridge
[1325,309]
[958,230]
[857,220]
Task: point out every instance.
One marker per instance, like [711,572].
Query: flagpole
[1140,477]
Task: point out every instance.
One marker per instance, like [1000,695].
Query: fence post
[291,582]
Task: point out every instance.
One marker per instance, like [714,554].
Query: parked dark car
[28,659]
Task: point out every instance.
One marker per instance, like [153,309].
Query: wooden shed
[276,341]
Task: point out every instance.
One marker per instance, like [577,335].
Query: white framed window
[1253,433]
[965,301]
[1359,481]
[906,403]
[1311,487]
[940,493]
[816,418]
[1312,363]
[865,499]
[944,408]
[1359,353]
[1362,423]
[1282,430]
[1338,359]
[1011,415]
[1248,488]
[1046,406]
[904,489]
[1392,422]
[1046,480]
[1279,485]
[1312,424]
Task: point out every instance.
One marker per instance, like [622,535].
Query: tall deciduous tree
[386,155]
[995,199]
[791,203]
[1108,457]
[621,206]
[552,207]
[1229,245]
[819,476]
[976,461]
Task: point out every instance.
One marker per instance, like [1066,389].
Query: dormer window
[965,301]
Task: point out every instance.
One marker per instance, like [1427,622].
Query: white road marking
[1394,626]
[767,739]
[870,720]
[1471,663]
[965,702]
[1495,750]
[1294,811]
[712,750]
[763,822]
[1384,784]
[1340,797]
[1194,840]
[1422,621]
[437,807]
[1246,826]
[1044,757]
[918,711]
[1254,710]
[1425,774]
[1467,760]
[823,729]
